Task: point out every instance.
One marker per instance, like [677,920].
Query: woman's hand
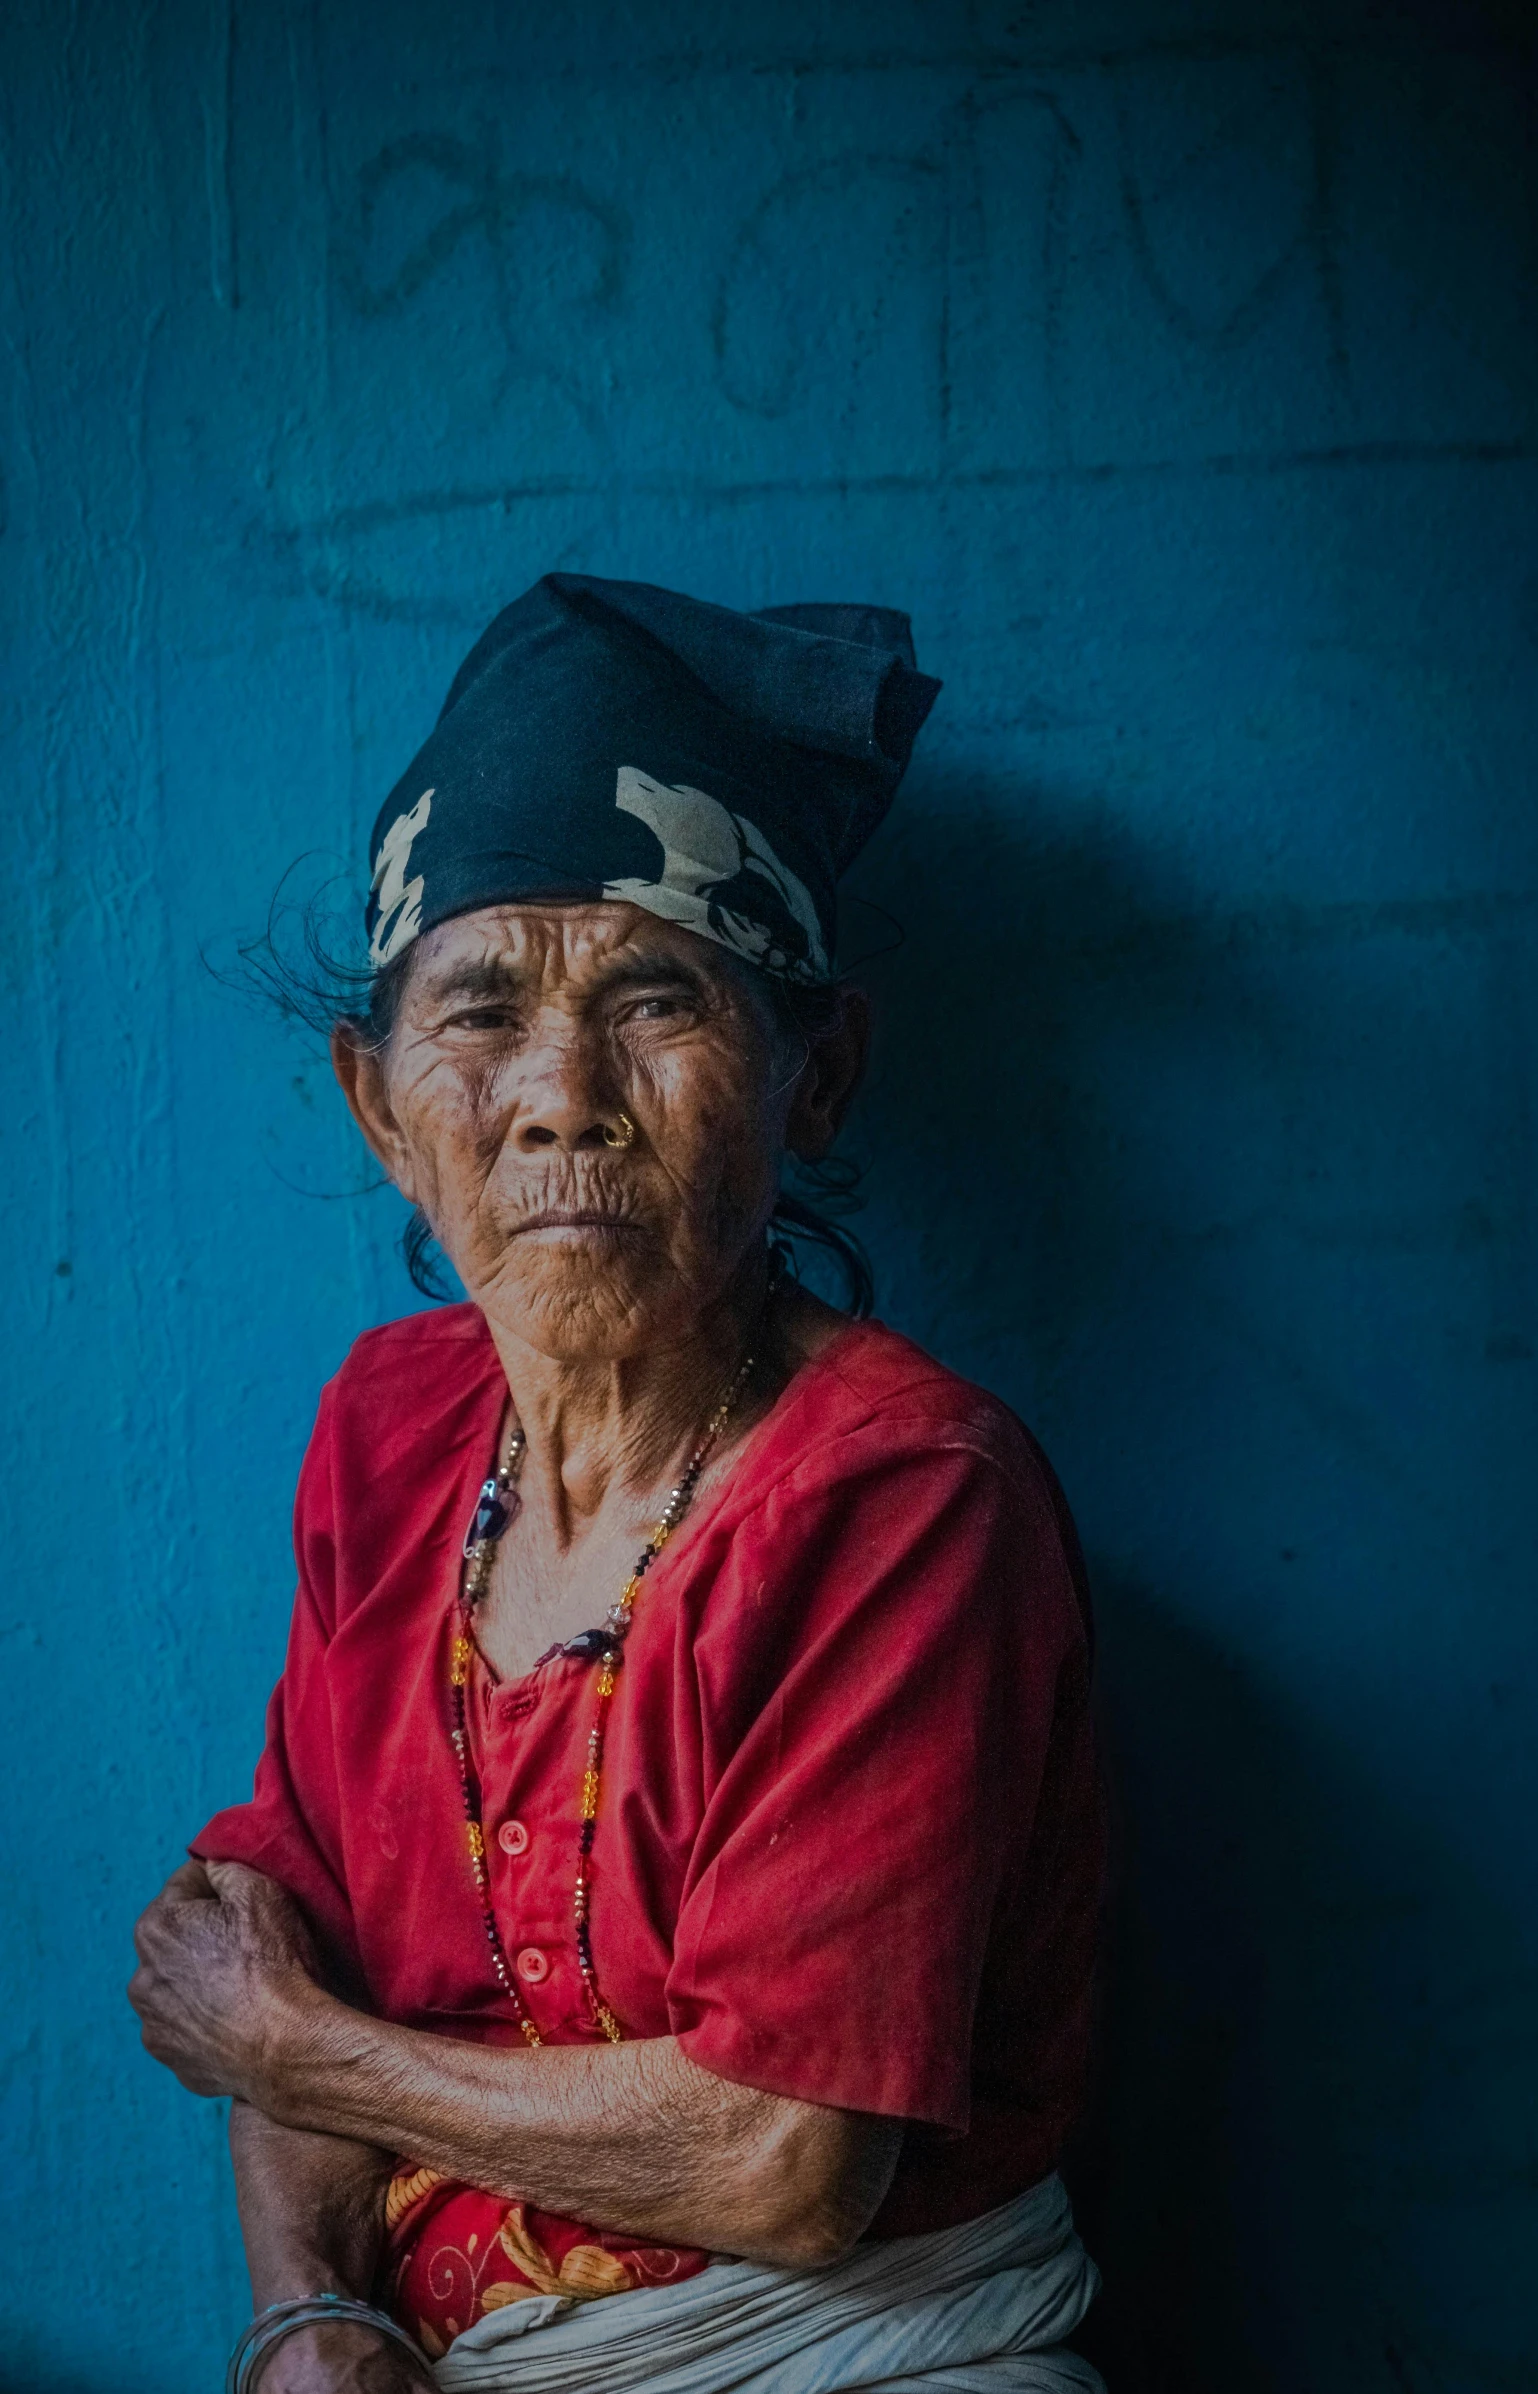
[312,2215]
[224,1960]
[343,2359]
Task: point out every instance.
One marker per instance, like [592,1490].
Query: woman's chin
[586,1297]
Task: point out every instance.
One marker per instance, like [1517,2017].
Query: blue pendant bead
[491,1518]
[495,1506]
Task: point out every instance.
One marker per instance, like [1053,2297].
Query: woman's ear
[358,1059]
[833,1070]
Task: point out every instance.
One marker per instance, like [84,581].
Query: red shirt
[849,1845]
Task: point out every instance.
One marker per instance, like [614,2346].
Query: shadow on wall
[1312,2124]
[1312,2020]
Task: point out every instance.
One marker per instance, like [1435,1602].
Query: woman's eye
[658,1009]
[484,1018]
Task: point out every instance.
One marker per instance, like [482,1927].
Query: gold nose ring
[619,1134]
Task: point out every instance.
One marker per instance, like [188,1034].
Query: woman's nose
[564,1101]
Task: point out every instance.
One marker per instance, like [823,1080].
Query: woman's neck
[604,1432]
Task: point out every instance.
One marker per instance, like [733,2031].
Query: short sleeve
[865,1827]
[292,1828]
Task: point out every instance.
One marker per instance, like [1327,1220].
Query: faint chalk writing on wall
[1139,270]
[492,203]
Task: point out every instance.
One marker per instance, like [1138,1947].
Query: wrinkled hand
[225,1960]
[343,2360]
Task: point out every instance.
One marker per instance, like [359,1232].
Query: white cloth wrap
[979,2309]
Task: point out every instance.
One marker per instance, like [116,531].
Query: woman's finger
[233,1883]
[188,1883]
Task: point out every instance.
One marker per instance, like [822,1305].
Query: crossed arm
[633,2137]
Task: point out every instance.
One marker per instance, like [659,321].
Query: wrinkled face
[524,1037]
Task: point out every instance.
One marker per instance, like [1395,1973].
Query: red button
[532,1965]
[513,1837]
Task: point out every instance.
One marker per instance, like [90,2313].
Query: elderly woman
[656,1953]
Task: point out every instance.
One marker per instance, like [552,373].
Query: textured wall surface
[1174,361]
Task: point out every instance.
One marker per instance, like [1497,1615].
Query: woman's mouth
[576,1221]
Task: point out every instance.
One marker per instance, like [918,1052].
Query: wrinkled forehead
[557,946]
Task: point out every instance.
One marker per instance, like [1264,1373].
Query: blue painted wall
[1174,360]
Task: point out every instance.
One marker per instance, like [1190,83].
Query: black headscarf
[611,740]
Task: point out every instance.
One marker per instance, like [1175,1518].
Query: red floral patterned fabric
[455,2254]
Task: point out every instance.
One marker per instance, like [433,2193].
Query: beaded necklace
[494,1509]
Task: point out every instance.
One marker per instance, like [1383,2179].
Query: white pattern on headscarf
[400,901]
[704,844]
